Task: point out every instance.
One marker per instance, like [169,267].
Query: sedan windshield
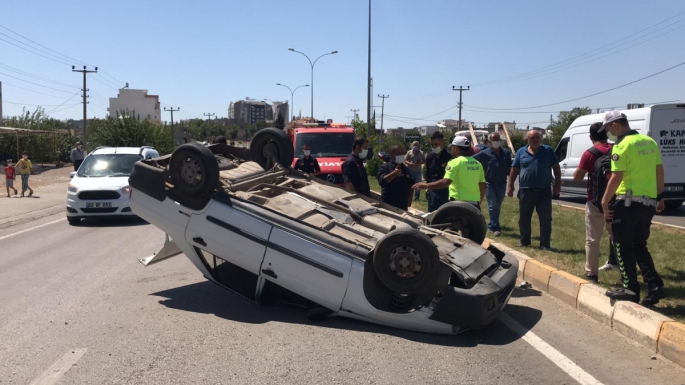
[325,144]
[113,165]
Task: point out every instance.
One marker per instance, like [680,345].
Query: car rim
[191,172]
[405,261]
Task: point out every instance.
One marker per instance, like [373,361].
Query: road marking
[560,360]
[55,372]
[32,228]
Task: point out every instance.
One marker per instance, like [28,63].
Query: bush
[373,165]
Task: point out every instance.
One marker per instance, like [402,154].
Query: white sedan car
[260,229]
[100,186]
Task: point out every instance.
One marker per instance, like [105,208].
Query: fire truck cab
[330,144]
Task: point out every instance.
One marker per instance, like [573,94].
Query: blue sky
[200,55]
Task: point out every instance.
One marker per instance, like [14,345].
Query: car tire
[464,218]
[673,205]
[74,221]
[271,141]
[410,247]
[194,170]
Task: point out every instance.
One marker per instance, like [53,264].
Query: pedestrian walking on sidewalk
[463,175]
[595,223]
[25,170]
[535,163]
[496,162]
[414,160]
[10,176]
[395,180]
[637,184]
[77,155]
[436,162]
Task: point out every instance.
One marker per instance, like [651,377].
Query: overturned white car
[258,228]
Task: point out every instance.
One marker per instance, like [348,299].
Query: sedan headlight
[126,189]
[72,189]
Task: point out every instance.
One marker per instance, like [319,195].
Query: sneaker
[623,294]
[592,277]
[521,244]
[497,233]
[608,267]
[654,296]
[545,248]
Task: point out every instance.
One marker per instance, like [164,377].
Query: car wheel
[194,170]
[463,218]
[406,260]
[74,220]
[269,144]
[673,204]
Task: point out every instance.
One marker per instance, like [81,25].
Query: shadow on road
[207,298]
[111,222]
[521,293]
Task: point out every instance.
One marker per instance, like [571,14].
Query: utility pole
[209,116]
[460,89]
[348,119]
[173,133]
[1,122]
[85,72]
[383,107]
[354,113]
[368,84]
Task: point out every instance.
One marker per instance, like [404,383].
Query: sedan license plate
[673,188]
[98,205]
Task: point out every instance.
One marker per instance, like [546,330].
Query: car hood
[99,183]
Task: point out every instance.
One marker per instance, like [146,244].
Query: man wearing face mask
[395,180]
[307,164]
[354,173]
[463,175]
[436,162]
[497,164]
[414,159]
[77,155]
[637,182]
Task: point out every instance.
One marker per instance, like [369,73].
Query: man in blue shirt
[534,163]
[496,163]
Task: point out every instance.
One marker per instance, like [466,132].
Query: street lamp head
[291,49]
[306,85]
[334,52]
[73,67]
[278,84]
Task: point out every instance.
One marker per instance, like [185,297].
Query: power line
[115,79]
[35,53]
[65,108]
[425,117]
[72,96]
[583,97]
[27,74]
[109,81]
[36,92]
[101,82]
[29,104]
[40,85]
[26,38]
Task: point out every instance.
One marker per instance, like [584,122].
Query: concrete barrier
[593,302]
[538,274]
[565,286]
[672,342]
[638,323]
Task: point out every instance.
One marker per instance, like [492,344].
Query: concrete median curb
[648,328]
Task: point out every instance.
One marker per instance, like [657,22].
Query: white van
[665,123]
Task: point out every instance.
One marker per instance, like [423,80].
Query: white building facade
[145,106]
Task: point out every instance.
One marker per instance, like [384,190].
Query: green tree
[556,130]
[127,131]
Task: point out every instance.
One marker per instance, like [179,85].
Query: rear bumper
[478,306]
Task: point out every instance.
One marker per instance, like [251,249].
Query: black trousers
[631,227]
[77,164]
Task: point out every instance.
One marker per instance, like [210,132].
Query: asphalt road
[75,299]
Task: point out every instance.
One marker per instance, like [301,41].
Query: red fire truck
[330,144]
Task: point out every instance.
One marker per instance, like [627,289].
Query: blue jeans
[495,196]
[416,175]
[539,200]
[437,198]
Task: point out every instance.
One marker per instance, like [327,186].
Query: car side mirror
[71,174]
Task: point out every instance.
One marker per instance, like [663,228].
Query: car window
[579,143]
[113,165]
[561,149]
[324,144]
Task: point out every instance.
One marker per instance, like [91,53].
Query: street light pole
[292,95]
[173,133]
[368,84]
[312,65]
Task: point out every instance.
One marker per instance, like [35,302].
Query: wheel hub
[405,261]
[191,171]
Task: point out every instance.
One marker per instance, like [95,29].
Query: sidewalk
[47,200]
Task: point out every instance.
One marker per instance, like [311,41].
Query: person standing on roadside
[414,160]
[354,173]
[395,180]
[307,163]
[25,170]
[497,164]
[10,177]
[77,155]
[463,175]
[594,219]
[535,163]
[436,162]
[637,185]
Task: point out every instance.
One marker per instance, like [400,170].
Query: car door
[307,268]
[579,143]
[231,244]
